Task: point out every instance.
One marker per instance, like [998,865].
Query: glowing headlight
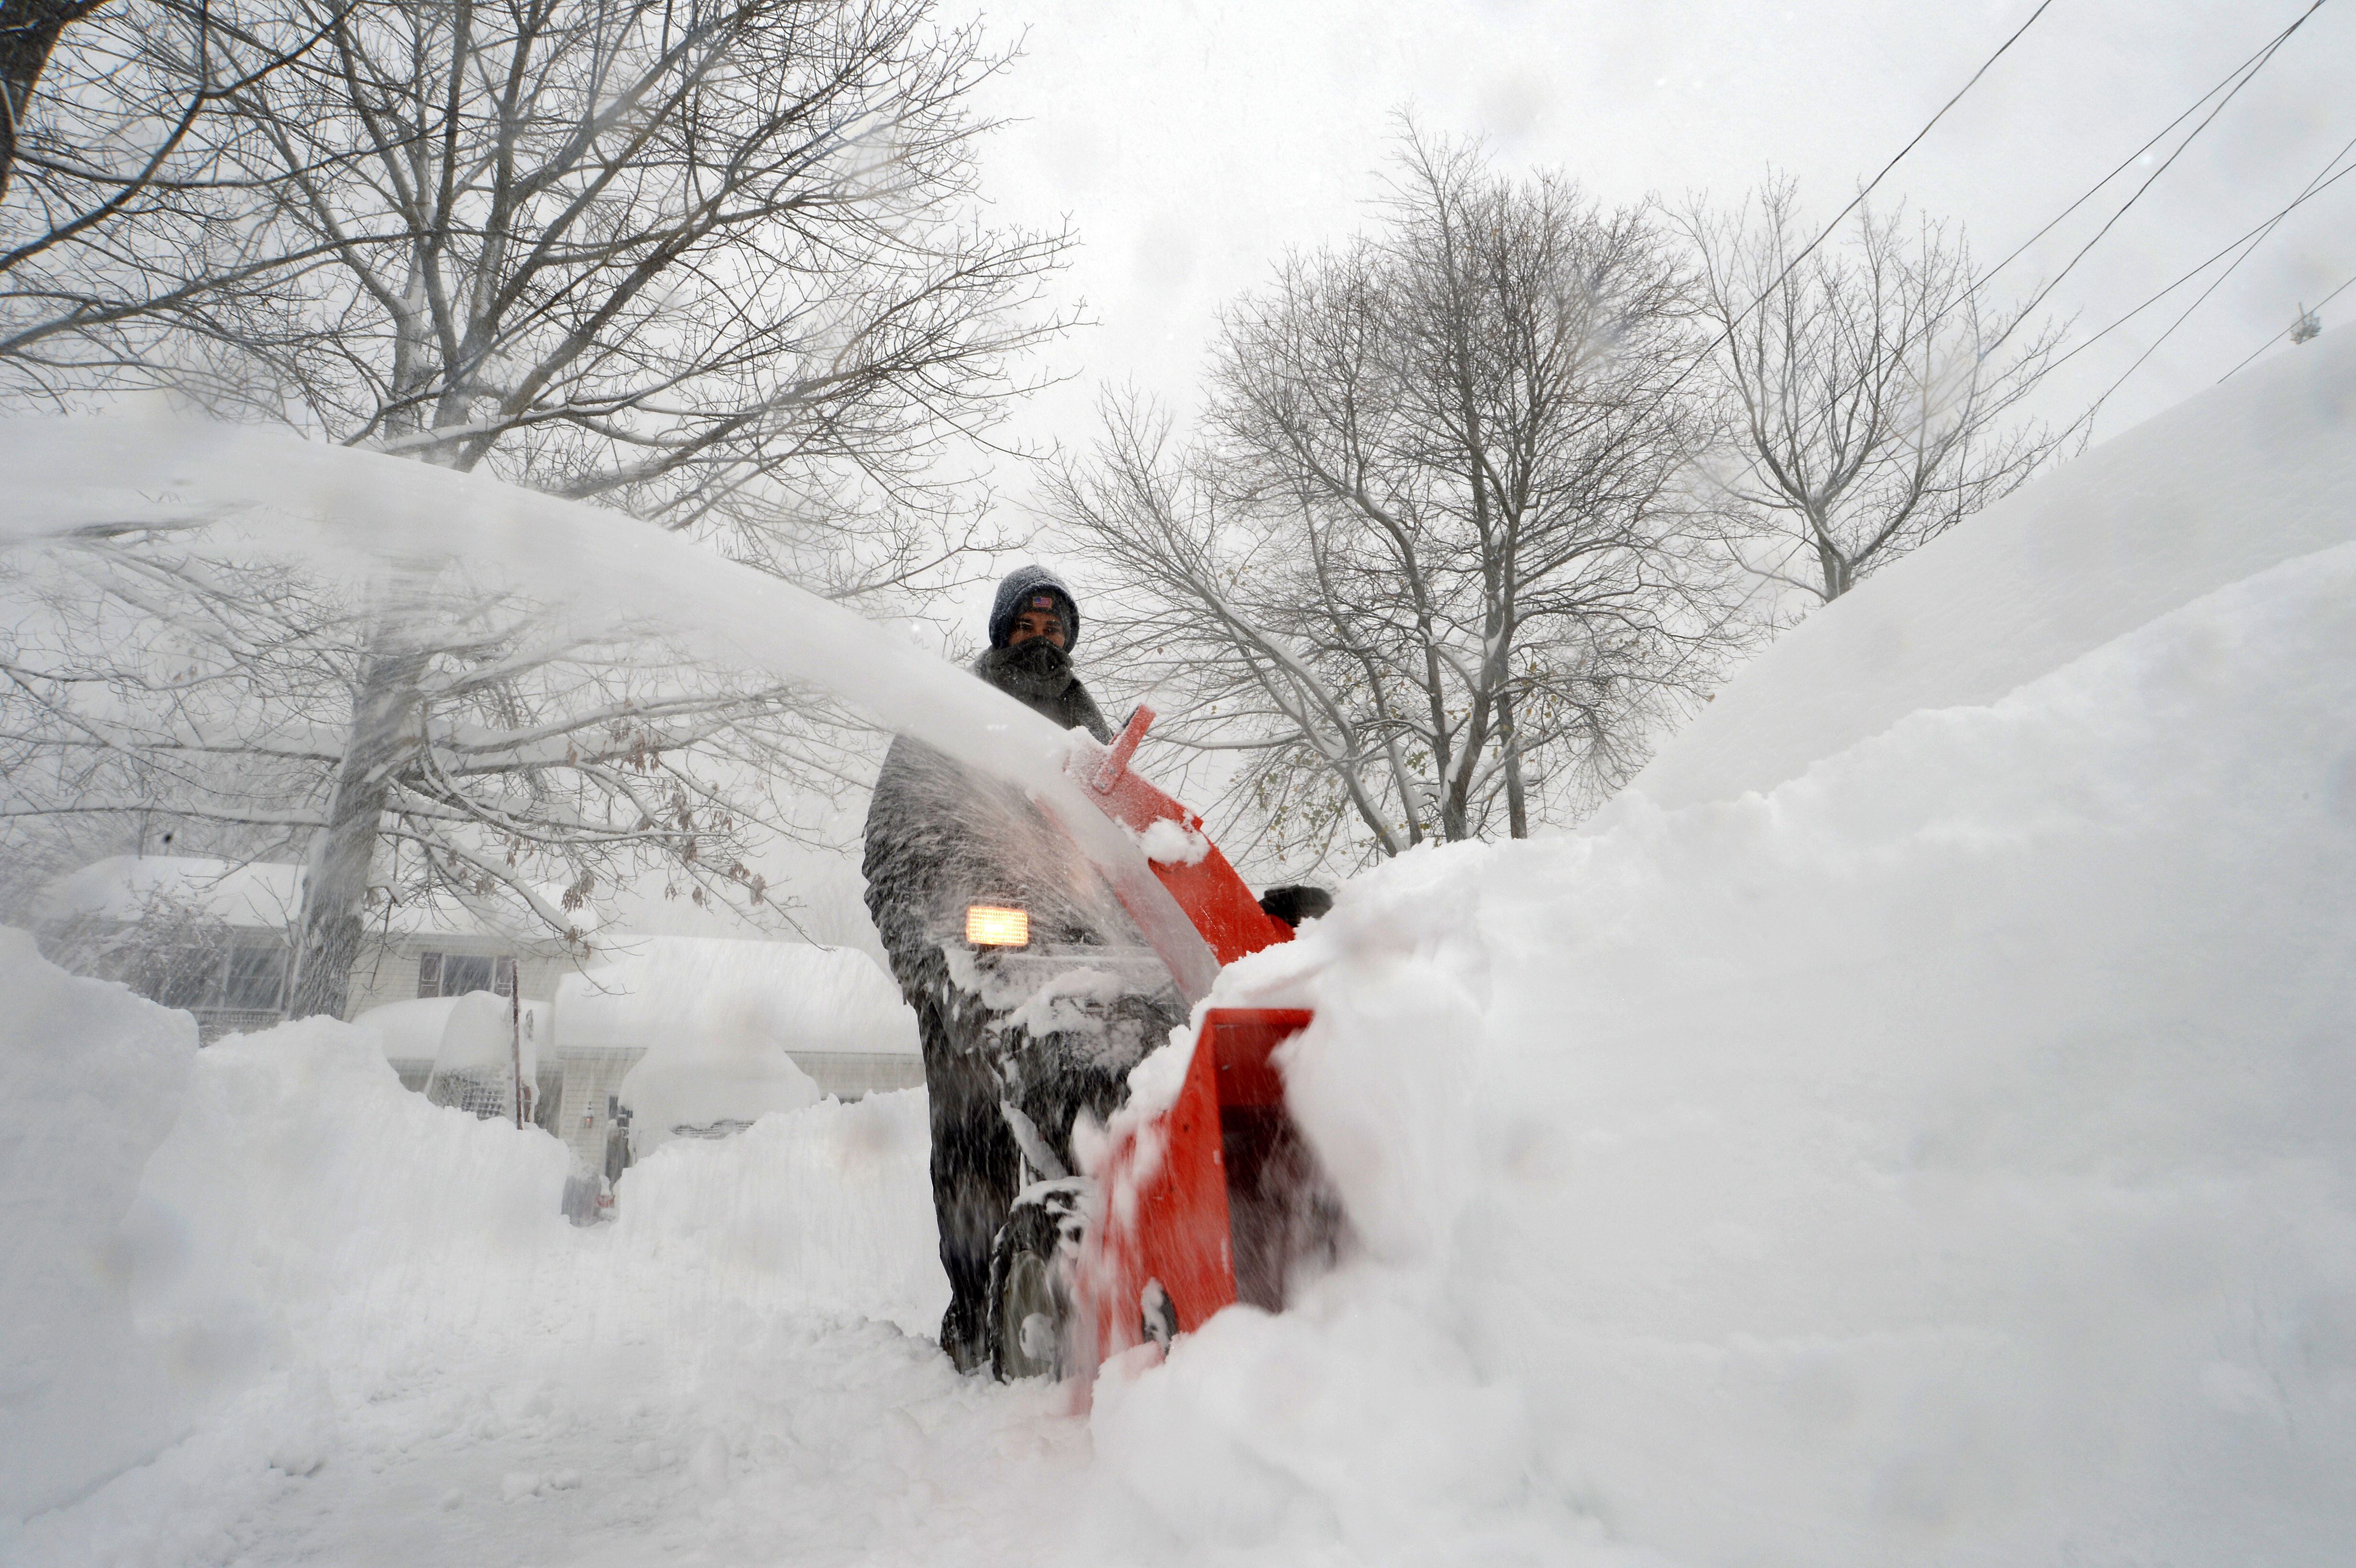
[987,925]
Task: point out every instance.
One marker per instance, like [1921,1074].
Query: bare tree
[1430,561]
[710,262]
[30,30]
[530,768]
[1873,392]
[124,208]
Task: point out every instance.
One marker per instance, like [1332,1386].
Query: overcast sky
[1190,144]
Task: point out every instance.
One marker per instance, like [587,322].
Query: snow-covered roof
[803,997]
[257,895]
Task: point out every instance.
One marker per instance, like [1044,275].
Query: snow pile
[828,1209]
[328,1290]
[414,1031]
[306,1206]
[2214,491]
[1944,1156]
[89,1079]
[483,1054]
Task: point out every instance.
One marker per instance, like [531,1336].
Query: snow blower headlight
[992,926]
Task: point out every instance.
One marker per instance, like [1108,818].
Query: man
[1034,624]
[941,838]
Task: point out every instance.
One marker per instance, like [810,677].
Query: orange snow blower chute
[1218,1199]
[1206,886]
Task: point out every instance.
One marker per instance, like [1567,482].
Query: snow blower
[1214,1200]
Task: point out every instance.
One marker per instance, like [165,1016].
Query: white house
[715,1005]
[442,950]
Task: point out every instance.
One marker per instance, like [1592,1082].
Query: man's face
[1033,623]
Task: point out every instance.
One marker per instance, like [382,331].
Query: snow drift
[1943,1155]
[90,1082]
[216,1259]
[306,1206]
[828,1209]
[2218,489]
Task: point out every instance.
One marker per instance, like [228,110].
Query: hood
[1015,595]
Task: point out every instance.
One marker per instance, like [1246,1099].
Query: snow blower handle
[1124,747]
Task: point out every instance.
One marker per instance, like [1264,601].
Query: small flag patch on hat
[1042,602]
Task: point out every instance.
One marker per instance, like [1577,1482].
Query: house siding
[389,973]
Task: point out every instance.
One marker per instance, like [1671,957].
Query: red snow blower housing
[1215,1200]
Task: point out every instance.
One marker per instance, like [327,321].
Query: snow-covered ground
[1942,1156]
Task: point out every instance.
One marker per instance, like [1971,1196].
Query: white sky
[1191,142]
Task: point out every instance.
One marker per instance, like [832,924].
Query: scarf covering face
[1040,676]
[1037,671]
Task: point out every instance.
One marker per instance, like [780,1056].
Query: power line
[2315,189]
[2231,84]
[1867,189]
[1774,573]
[2248,75]
[2270,336]
[1864,190]
[2247,252]
[2248,243]
[2257,60]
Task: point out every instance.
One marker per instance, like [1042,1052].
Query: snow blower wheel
[1029,1288]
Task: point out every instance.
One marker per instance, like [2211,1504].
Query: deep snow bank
[2220,487]
[212,1262]
[90,1080]
[830,1208]
[1944,1156]
[306,1206]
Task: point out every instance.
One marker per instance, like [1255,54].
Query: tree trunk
[1518,811]
[335,893]
[29,33]
[1831,566]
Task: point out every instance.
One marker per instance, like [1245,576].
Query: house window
[188,976]
[455,974]
[255,978]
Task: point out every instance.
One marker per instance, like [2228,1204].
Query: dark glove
[1296,903]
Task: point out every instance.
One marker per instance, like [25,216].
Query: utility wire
[2231,84]
[2257,60]
[1867,189]
[2248,74]
[1764,294]
[2248,250]
[2316,187]
[2324,180]
[1727,334]
[2270,338]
